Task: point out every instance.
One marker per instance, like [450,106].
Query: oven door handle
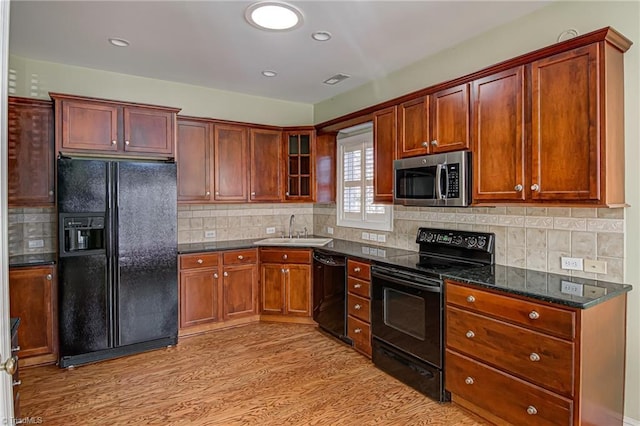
[435,288]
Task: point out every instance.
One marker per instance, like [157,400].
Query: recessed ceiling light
[268,73]
[335,79]
[119,42]
[321,36]
[273,16]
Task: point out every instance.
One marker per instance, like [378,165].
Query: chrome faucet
[291,221]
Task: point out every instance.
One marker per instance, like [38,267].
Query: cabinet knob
[50,192]
[356,269]
[531,410]
[215,275]
[15,349]
[16,382]
[285,257]
[518,188]
[357,330]
[114,142]
[217,193]
[357,307]
[200,261]
[126,142]
[535,187]
[470,334]
[434,143]
[471,299]
[282,270]
[49,277]
[253,194]
[225,274]
[425,144]
[240,257]
[534,315]
[207,193]
[357,285]
[534,357]
[469,380]
[286,193]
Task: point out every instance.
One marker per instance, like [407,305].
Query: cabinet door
[149,131]
[413,128]
[565,139]
[89,126]
[199,297]
[384,149]
[450,115]
[240,291]
[266,165]
[195,149]
[498,137]
[299,165]
[272,289]
[325,172]
[230,163]
[30,153]
[31,294]
[298,279]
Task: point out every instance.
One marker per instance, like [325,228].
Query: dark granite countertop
[539,285]
[15,322]
[36,259]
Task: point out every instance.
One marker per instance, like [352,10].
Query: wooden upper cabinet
[384,149]
[565,134]
[230,163]
[266,165]
[195,161]
[499,137]
[449,114]
[325,173]
[299,165]
[104,127]
[413,128]
[30,153]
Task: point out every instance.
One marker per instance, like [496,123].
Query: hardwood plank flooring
[259,374]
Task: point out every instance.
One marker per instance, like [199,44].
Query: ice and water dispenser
[81,234]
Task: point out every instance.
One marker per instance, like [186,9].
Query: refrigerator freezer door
[147,288]
[82,186]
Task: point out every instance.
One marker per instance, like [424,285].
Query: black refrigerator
[118,291]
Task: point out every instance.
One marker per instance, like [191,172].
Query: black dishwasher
[329,293]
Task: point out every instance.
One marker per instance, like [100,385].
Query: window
[356,208]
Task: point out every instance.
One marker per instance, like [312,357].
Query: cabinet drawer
[358,307]
[505,396]
[360,332]
[359,287]
[556,321]
[285,256]
[198,260]
[240,257]
[544,360]
[359,270]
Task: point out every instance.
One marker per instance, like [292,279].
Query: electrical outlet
[572,263]
[572,288]
[373,237]
[365,235]
[382,238]
[595,266]
[271,230]
[36,243]
[209,234]
[329,230]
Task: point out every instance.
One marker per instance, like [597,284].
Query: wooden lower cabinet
[33,298]
[358,305]
[516,360]
[217,290]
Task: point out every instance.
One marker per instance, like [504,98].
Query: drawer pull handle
[469,380]
[534,357]
[471,299]
[15,349]
[534,315]
[200,261]
[531,410]
[357,330]
[357,269]
[285,257]
[357,285]
[240,257]
[17,382]
[470,334]
[357,307]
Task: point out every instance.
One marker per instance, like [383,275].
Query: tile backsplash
[35,226]
[532,237]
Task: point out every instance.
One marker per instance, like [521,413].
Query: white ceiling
[208,43]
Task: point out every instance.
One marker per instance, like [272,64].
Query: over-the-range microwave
[440,180]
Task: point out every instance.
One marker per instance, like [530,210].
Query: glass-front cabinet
[299,181]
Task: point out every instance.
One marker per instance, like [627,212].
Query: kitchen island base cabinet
[516,360]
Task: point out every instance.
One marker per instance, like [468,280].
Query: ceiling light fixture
[119,42]
[321,36]
[269,73]
[335,79]
[273,16]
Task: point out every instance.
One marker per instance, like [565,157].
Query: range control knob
[471,241]
[457,240]
[429,237]
[482,241]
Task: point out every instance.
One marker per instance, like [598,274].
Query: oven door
[406,312]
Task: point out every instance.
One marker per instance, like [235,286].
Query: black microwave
[439,180]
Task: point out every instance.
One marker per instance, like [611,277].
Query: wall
[35,79]
[533,31]
[240,221]
[29,224]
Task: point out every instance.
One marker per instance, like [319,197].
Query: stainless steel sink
[304,242]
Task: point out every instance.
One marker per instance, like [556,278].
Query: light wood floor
[260,374]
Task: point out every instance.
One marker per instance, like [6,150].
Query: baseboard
[628,421]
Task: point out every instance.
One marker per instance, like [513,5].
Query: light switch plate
[209,234]
[595,266]
[36,243]
[571,263]
[365,235]
[271,230]
[329,230]
[382,238]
